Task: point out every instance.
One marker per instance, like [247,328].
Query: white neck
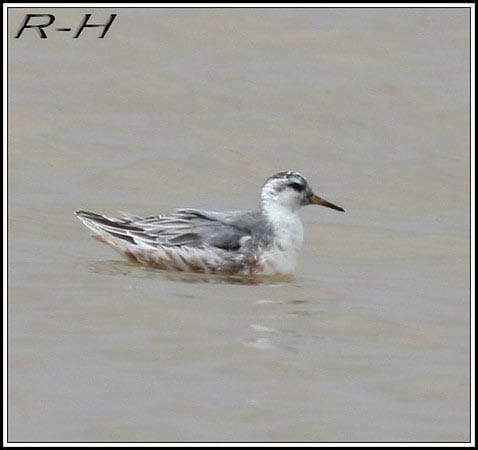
[288,229]
[288,238]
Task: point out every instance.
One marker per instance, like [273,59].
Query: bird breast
[288,238]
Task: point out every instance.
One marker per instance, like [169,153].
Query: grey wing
[224,230]
[186,227]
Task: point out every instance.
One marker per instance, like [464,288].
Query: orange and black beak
[314,200]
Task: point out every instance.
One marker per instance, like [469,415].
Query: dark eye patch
[297,186]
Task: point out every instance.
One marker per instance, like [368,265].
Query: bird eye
[297,187]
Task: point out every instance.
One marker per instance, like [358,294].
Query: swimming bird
[266,241]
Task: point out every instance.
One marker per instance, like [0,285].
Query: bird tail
[106,226]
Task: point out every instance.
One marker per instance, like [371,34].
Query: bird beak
[315,200]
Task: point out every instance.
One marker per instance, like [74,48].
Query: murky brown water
[368,342]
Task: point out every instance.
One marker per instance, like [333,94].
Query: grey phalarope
[266,241]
